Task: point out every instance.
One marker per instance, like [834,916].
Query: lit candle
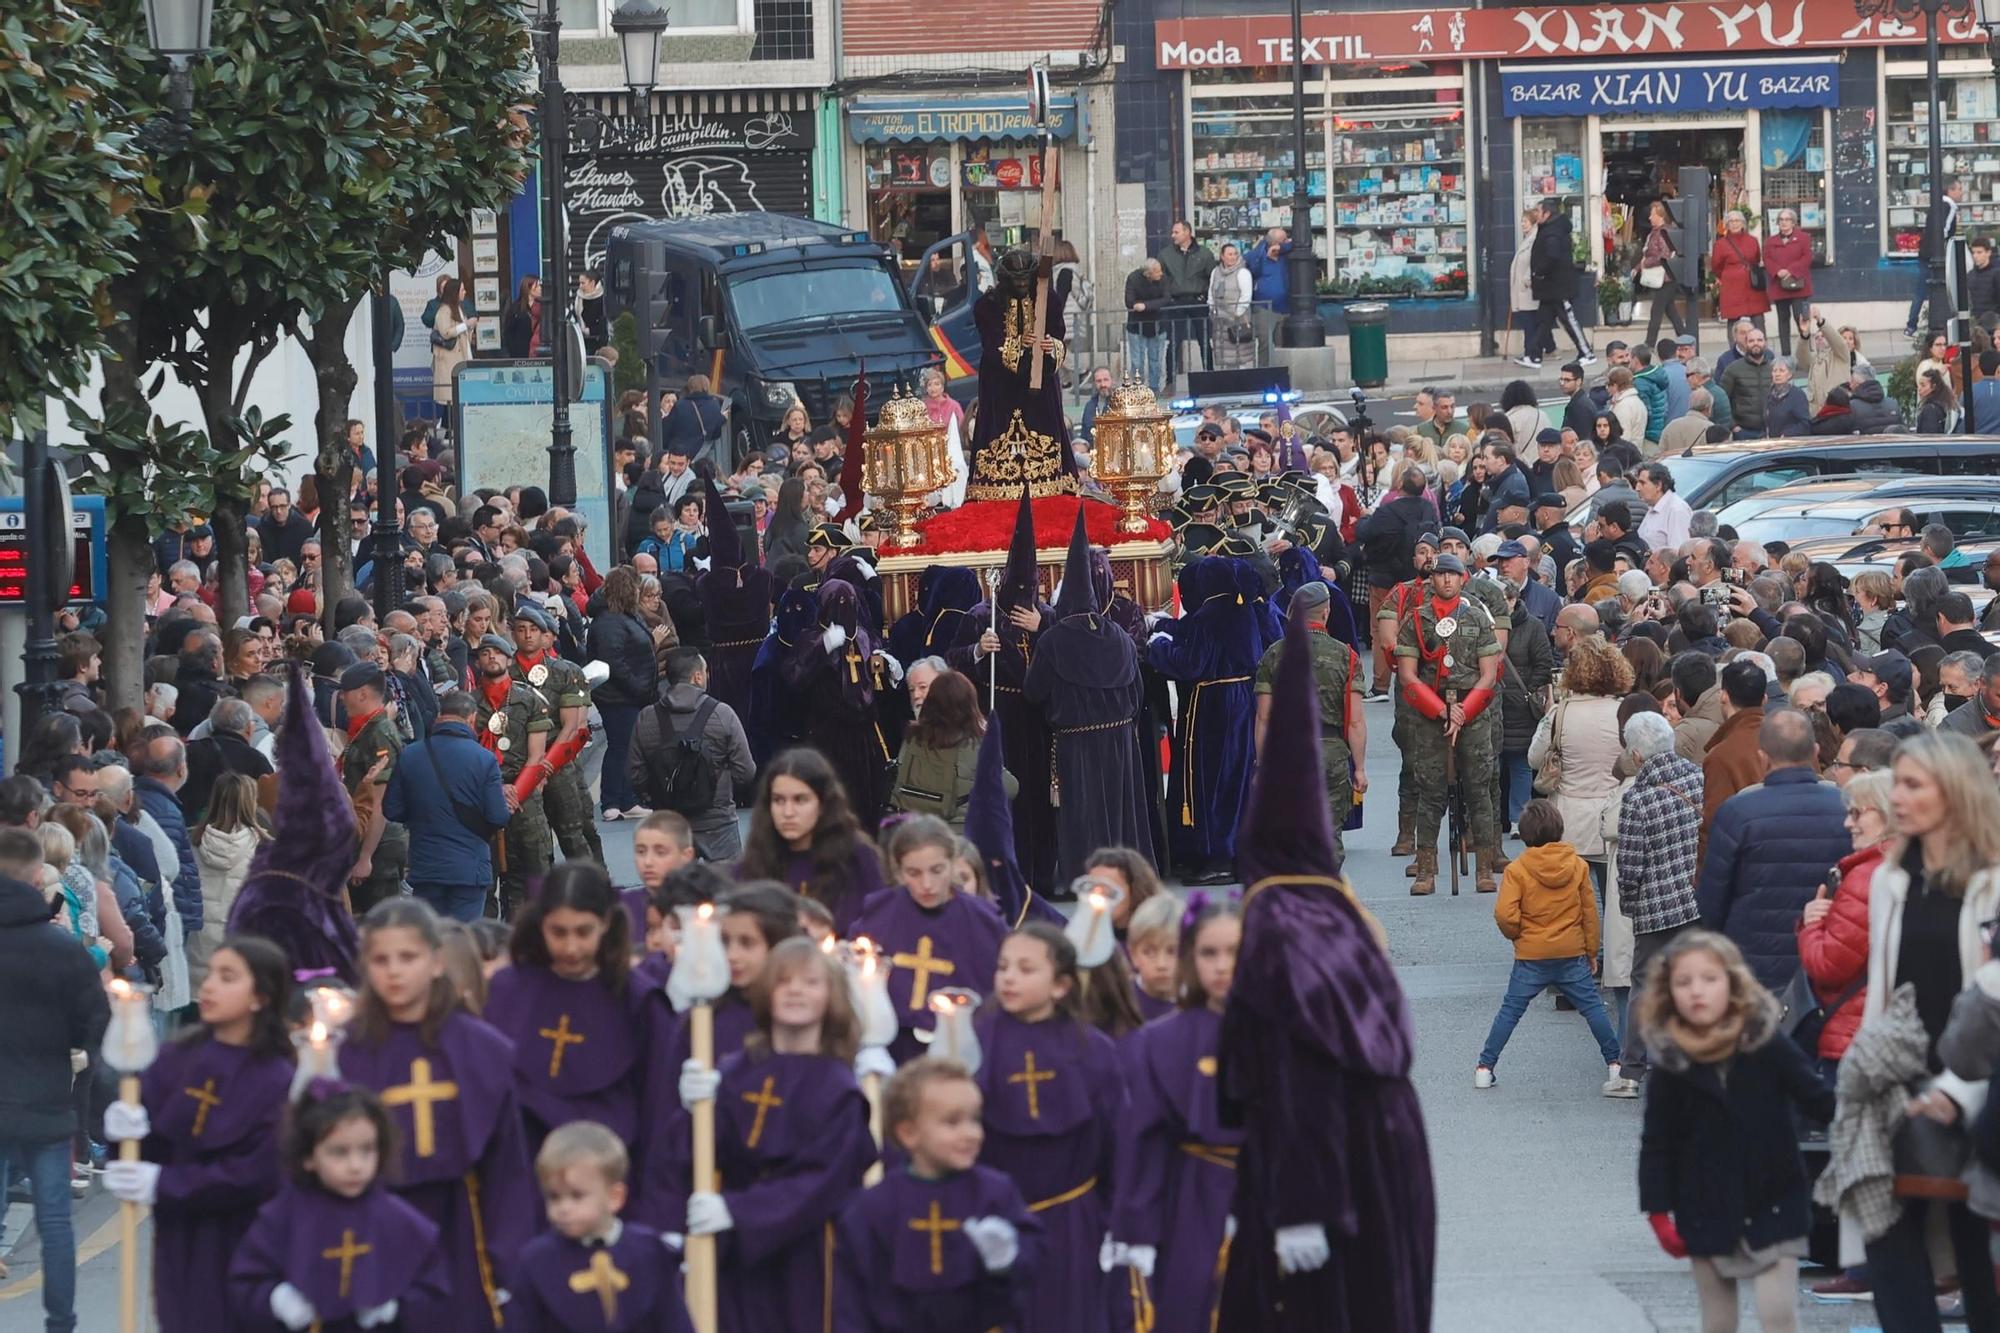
[868,976]
[954,1038]
[701,968]
[130,1045]
[318,1054]
[1090,929]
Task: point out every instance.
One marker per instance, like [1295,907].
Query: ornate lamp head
[905,461]
[1135,448]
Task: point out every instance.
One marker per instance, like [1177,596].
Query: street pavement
[1538,1222]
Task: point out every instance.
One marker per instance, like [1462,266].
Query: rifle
[1454,800]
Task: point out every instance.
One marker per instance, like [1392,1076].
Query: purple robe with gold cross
[903,1263]
[930,949]
[631,1285]
[668,1047]
[345,1256]
[576,1049]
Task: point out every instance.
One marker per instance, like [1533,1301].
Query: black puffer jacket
[54,1003]
[1551,263]
[1871,412]
[624,644]
[1531,665]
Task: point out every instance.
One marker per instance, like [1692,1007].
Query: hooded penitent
[945,595]
[989,826]
[1020,585]
[1087,647]
[292,895]
[1316,1018]
[736,604]
[775,720]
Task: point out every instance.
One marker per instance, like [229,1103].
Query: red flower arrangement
[988,525]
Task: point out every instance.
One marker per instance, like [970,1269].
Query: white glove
[708,1214]
[996,1241]
[1155,618]
[291,1308]
[1157,636]
[673,1240]
[126,1120]
[1302,1248]
[384,1313]
[698,1084]
[134,1182]
[701,563]
[833,638]
[1110,1254]
[833,504]
[873,1060]
[1141,1259]
[1229,1227]
[895,668]
[868,574]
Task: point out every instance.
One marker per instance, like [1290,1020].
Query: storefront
[1971,146]
[935,166]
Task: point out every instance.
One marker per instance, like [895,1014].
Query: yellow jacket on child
[1547,905]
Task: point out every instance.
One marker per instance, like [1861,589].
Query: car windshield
[1793,527]
[801,295]
[1694,472]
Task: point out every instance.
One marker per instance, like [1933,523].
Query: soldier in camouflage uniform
[1397,607]
[1343,731]
[371,738]
[1447,661]
[511,722]
[565,694]
[1486,590]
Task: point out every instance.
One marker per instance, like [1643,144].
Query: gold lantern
[1134,442]
[904,461]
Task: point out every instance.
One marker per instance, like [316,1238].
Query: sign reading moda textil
[695,156]
[1542,32]
[932,119]
[1618,90]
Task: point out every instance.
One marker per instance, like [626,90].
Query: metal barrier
[1189,338]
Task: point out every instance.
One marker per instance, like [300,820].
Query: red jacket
[1835,951]
[1735,254]
[1794,254]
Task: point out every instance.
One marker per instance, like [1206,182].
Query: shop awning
[1632,87]
[934,119]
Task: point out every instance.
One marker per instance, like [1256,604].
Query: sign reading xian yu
[1666,27]
[1593,90]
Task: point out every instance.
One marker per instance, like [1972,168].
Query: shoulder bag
[1549,777]
[1758,280]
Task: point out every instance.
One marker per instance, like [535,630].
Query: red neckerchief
[1435,658]
[528,664]
[487,737]
[355,725]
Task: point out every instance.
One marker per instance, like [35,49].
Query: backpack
[679,775]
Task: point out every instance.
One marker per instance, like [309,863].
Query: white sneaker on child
[1617,1085]
[1482,1077]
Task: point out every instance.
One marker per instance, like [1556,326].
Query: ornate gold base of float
[1138,569]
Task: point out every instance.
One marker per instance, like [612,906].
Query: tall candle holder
[1133,443]
[905,460]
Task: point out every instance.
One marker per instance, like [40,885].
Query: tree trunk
[333,466]
[222,344]
[129,557]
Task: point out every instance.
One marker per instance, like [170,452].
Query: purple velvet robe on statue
[956,944]
[215,1112]
[1054,1097]
[791,1143]
[344,1256]
[1177,1166]
[560,1292]
[904,1264]
[1211,656]
[576,1049]
[462,1159]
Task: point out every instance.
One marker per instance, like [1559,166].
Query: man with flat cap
[1447,661]
[512,722]
[370,758]
[1343,732]
[560,688]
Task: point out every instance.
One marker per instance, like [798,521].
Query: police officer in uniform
[1397,607]
[372,739]
[1447,661]
[512,722]
[563,692]
[1343,730]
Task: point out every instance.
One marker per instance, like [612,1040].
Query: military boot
[1426,872]
[1406,834]
[1486,869]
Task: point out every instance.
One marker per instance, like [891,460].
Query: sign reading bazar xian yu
[1625,89]
[1543,32]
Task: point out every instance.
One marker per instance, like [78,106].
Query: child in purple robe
[1054,1092]
[337,1252]
[792,1143]
[1176,1163]
[661,845]
[941,1244]
[804,833]
[566,1004]
[447,1081]
[592,1272]
[933,935]
[688,885]
[1152,940]
[209,1120]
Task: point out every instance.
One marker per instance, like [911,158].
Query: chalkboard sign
[501,415]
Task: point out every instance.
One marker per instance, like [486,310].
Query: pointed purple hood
[1076,597]
[1021,585]
[725,544]
[989,826]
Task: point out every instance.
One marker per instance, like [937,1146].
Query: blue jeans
[47,1168]
[1520,780]
[1530,978]
[456,902]
[1146,357]
[620,720]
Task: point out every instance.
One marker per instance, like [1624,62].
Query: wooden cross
[419,1094]
[346,1253]
[923,965]
[936,1226]
[853,664]
[1032,1076]
[1045,235]
[763,1101]
[603,1278]
[205,1094]
[562,1037]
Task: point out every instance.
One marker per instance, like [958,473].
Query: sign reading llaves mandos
[696,155]
[1669,27]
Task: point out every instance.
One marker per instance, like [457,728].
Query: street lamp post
[178,30]
[1302,327]
[556,334]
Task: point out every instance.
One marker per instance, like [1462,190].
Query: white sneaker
[637,812]
[1619,1086]
[1482,1077]
[1587,359]
[1531,362]
[614,813]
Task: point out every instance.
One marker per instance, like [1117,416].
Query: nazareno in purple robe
[576,1049]
[1210,654]
[904,1265]
[776,720]
[955,944]
[566,1288]
[1054,1098]
[1177,1166]
[1315,1055]
[463,1159]
[791,1143]
[668,1047]
[837,691]
[344,1256]
[215,1112]
[736,597]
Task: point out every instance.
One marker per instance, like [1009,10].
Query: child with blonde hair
[1153,940]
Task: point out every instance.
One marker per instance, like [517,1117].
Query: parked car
[1969,506]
